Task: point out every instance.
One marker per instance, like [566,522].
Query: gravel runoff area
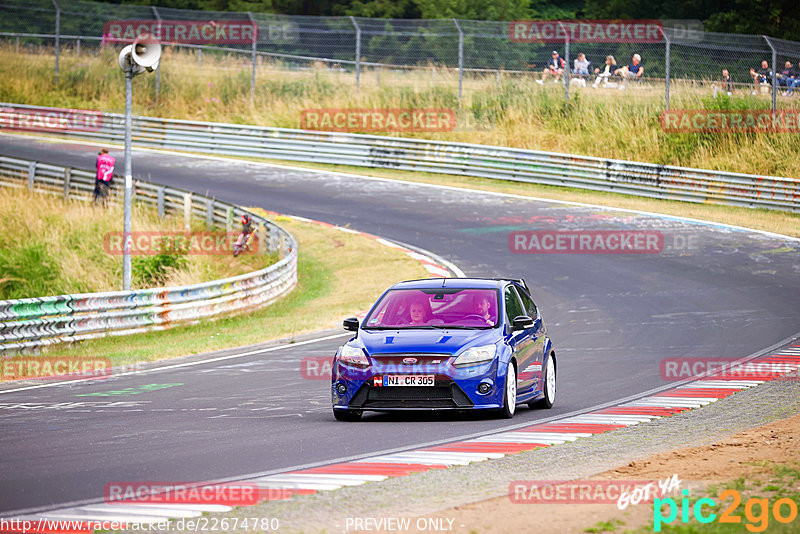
[439,489]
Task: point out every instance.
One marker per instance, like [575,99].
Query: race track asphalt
[613,318]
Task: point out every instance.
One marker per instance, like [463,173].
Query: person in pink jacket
[105,173]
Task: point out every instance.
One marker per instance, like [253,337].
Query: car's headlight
[353,356]
[476,355]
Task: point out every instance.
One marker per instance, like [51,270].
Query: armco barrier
[584,172]
[34,322]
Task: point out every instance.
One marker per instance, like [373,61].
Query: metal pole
[158,69]
[666,71]
[358,51]
[58,38]
[255,50]
[126,224]
[774,71]
[460,58]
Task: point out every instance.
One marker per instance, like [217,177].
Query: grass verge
[56,247]
[339,274]
[496,109]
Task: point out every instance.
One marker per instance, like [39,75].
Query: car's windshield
[435,308]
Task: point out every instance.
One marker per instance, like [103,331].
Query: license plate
[404,380]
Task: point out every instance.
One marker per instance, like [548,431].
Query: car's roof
[457,283]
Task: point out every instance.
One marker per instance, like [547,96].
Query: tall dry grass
[507,110]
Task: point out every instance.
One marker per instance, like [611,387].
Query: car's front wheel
[549,385]
[510,393]
[347,415]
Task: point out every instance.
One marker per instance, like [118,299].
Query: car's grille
[445,394]
[422,359]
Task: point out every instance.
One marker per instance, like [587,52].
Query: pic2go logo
[756,511]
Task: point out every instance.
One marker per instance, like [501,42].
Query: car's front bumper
[454,388]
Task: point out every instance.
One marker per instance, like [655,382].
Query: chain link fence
[681,63]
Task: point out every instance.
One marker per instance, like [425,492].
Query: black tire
[347,415]
[509,407]
[550,372]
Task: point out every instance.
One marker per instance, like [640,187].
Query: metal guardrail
[34,322]
[582,172]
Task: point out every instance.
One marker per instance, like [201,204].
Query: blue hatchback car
[446,344]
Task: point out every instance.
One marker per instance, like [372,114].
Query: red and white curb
[282,486]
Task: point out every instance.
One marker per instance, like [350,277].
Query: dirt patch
[751,454]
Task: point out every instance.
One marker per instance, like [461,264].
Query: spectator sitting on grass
[607,73]
[787,77]
[633,71]
[762,75]
[582,65]
[727,83]
[555,68]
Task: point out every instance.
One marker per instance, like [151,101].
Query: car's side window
[513,306]
[528,304]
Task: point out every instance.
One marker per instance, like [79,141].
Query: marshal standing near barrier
[105,174]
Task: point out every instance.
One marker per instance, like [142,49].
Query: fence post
[666,70]
[229,219]
[160,202]
[187,211]
[358,50]
[58,38]
[262,239]
[255,50]
[566,66]
[16,47]
[209,214]
[78,47]
[158,68]
[774,71]
[460,58]
[31,174]
[67,180]
[199,57]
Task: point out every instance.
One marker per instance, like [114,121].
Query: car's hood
[425,341]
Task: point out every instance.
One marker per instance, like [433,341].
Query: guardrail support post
[58,39]
[67,179]
[160,202]
[358,51]
[187,211]
[78,47]
[16,46]
[209,214]
[31,174]
[199,57]
[229,219]
[460,58]
[281,246]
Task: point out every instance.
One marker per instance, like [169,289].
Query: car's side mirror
[522,322]
[351,323]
